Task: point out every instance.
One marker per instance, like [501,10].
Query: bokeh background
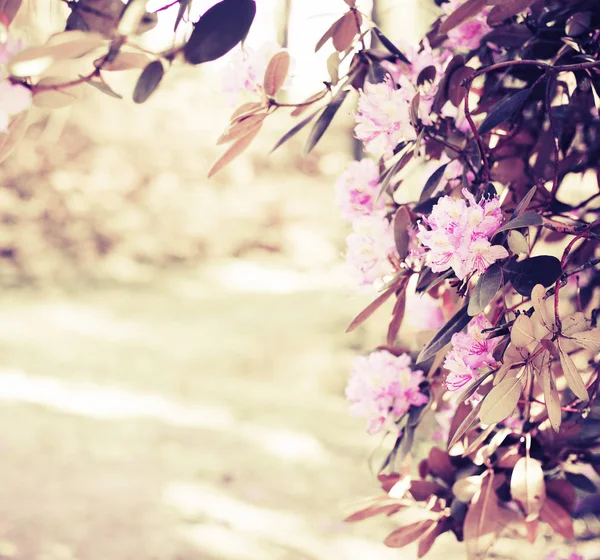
[172,349]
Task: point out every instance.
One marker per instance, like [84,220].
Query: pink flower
[470,351]
[356,190]
[468,35]
[383,119]
[458,235]
[14,99]
[382,387]
[554,555]
[371,249]
[422,312]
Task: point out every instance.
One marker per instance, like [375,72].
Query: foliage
[501,104]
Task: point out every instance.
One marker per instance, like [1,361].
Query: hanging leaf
[525,274]
[544,309]
[390,46]
[484,291]
[16,130]
[456,324]
[463,13]
[507,9]
[290,133]
[517,242]
[397,317]
[527,486]
[325,119]
[442,94]
[480,526]
[148,81]
[376,304]
[429,536]
[276,72]
[440,465]
[558,518]
[380,505]
[328,34]
[246,110]
[500,402]
[432,183]
[467,423]
[581,482]
[504,111]
[551,394]
[234,151]
[219,29]
[407,534]
[562,493]
[402,226]
[572,375]
[524,220]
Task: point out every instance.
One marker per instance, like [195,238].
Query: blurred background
[172,349]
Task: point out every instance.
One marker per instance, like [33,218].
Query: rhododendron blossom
[383,119]
[371,249]
[466,36]
[458,235]
[357,188]
[382,387]
[419,60]
[470,351]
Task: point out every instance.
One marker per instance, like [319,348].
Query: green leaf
[390,46]
[292,132]
[524,220]
[525,274]
[148,81]
[219,29]
[325,119]
[504,111]
[432,183]
[500,402]
[484,291]
[456,324]
[103,87]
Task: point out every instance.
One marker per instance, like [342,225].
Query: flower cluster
[470,352]
[371,249]
[459,234]
[357,188]
[468,35]
[382,388]
[383,117]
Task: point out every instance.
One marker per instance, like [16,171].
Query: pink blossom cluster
[371,249]
[468,35]
[470,351]
[383,118]
[458,235]
[14,98]
[357,188]
[382,387]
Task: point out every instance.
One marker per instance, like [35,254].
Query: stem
[554,137]
[486,166]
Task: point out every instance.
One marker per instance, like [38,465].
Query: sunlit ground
[181,396]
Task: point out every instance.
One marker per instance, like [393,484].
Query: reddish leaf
[562,492]
[397,317]
[375,304]
[440,465]
[407,534]
[345,31]
[507,9]
[558,518]
[463,13]
[276,72]
[422,490]
[234,151]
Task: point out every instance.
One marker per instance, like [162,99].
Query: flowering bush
[500,102]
